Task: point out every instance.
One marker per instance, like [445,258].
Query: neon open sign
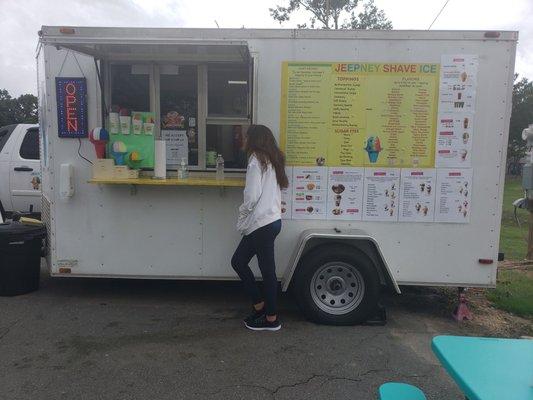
[71,97]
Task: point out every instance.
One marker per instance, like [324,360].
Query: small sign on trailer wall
[71,97]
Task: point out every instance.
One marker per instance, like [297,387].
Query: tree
[5,107]
[21,110]
[521,117]
[335,14]
[26,109]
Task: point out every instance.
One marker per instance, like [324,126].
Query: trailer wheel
[337,285]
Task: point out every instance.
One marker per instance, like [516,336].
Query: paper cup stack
[149,126]
[125,121]
[137,123]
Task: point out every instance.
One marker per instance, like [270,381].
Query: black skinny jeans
[259,243]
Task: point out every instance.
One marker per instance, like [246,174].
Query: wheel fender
[309,239]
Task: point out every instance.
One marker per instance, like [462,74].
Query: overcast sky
[21,19]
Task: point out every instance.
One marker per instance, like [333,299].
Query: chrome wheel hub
[337,288]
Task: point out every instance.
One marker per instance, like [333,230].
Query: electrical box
[527,177]
[66,181]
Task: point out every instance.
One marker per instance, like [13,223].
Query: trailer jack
[462,311]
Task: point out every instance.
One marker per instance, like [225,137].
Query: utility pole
[327,12]
[527,185]
[530,233]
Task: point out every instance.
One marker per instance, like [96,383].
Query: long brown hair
[261,142]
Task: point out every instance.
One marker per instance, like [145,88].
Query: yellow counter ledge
[227,182]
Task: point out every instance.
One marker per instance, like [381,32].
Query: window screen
[29,148]
[129,90]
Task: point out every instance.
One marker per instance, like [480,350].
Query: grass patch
[513,239]
[514,292]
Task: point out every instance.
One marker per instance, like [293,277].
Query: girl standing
[260,223]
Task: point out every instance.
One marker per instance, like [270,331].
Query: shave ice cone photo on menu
[373,147]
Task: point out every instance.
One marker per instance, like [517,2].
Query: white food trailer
[395,145]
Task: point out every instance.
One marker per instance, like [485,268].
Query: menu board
[286,196]
[345,193]
[359,114]
[457,97]
[454,194]
[364,139]
[458,80]
[309,193]
[381,194]
[417,195]
[454,139]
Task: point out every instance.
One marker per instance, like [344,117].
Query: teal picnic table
[488,368]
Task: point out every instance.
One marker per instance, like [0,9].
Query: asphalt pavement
[81,338]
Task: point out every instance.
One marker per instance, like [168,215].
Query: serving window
[178,88]
[201,108]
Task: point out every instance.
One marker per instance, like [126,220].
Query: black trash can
[20,257]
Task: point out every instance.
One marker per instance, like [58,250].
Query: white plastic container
[160,168]
[183,170]
[220,168]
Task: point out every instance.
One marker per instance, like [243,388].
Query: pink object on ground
[462,311]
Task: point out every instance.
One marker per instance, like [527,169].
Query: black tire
[353,263]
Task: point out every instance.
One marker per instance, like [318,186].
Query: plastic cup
[137,126]
[125,123]
[149,128]
[114,123]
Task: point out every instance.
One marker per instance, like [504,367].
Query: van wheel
[337,285]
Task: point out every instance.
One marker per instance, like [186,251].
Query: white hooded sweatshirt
[262,198]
